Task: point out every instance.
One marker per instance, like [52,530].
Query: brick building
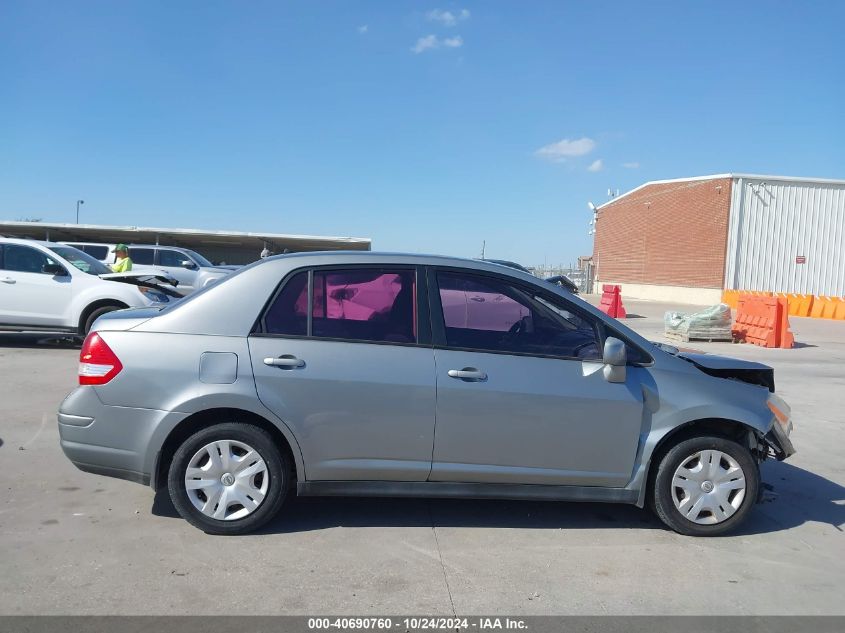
[686,240]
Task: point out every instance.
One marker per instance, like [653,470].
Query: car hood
[134,278]
[160,281]
[732,368]
[712,361]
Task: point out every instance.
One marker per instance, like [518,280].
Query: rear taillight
[98,364]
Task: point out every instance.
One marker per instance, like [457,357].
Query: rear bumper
[107,440]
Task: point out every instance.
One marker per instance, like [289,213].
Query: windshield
[80,260]
[202,261]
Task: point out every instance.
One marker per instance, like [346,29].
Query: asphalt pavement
[75,543]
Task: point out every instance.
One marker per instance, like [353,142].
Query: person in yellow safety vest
[122,263]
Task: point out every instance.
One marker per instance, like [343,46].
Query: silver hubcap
[227,480]
[708,487]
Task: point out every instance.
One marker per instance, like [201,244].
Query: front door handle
[470,374]
[285,362]
[7,280]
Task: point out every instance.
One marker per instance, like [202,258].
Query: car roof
[323,258]
[22,240]
[130,244]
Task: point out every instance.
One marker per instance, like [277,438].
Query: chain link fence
[581,277]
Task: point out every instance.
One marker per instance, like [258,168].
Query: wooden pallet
[709,337]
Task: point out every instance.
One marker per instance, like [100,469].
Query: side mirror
[615,358]
[54,269]
[187,263]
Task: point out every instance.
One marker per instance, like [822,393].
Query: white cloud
[425,43]
[565,148]
[363,29]
[633,165]
[431,42]
[596,165]
[447,18]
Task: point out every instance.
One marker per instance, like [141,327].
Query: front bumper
[108,440]
[778,439]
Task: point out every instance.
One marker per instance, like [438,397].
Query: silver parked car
[402,375]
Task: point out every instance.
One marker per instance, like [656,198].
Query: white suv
[57,288]
[189,268]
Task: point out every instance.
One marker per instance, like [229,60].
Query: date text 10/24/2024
[417,624]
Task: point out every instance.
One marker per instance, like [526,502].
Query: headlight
[154,295]
[782,412]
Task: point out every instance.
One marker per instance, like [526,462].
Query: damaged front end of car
[778,436]
[776,442]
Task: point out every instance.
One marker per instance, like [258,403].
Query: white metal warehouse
[787,235]
[688,239]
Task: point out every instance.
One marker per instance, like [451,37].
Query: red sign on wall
[800,259]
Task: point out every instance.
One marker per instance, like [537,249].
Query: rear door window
[355,304]
[142,256]
[365,305]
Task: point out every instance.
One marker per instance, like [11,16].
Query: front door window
[486,314]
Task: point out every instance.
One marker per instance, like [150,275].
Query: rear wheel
[705,486]
[228,479]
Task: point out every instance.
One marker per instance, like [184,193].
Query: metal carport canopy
[188,238]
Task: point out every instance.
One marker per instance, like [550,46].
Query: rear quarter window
[97,252]
[142,256]
[288,314]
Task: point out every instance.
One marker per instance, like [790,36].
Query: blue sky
[427,126]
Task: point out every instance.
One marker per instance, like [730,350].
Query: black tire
[96,314]
[278,467]
[662,487]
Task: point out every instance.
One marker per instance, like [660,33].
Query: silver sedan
[402,375]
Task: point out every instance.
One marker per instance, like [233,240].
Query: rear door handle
[470,374]
[7,280]
[285,362]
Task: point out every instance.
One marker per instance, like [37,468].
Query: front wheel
[230,478]
[705,486]
[96,314]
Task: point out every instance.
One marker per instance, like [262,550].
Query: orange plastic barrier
[824,307]
[611,301]
[830,307]
[805,305]
[763,321]
[785,337]
[797,304]
[729,297]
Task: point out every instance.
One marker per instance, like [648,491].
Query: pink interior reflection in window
[344,297]
[382,301]
[477,310]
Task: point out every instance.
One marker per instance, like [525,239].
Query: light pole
[78,202]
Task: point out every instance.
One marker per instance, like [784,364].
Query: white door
[28,295]
[171,261]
